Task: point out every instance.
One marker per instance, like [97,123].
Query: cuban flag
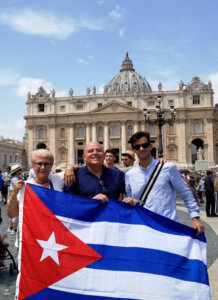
[78,248]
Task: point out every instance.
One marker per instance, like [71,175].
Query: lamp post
[160,121]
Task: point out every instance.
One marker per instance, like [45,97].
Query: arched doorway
[196,143]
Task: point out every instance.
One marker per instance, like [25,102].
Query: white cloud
[26,84]
[116,13]
[8,78]
[121,31]
[13,129]
[213,77]
[81,61]
[47,24]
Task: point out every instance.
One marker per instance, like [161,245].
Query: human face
[42,167]
[93,154]
[143,153]
[127,161]
[109,158]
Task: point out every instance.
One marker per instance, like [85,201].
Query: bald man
[96,181]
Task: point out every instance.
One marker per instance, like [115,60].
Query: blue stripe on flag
[150,261]
[91,210]
[57,295]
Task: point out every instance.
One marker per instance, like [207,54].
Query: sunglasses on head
[144,146]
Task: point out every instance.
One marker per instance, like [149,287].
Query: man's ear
[84,157]
[133,150]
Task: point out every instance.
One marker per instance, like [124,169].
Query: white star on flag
[51,248]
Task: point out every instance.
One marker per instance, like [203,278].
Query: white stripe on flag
[124,235]
[131,285]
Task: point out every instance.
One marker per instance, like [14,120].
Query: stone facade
[12,152]
[66,124]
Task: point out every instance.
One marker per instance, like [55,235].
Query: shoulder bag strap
[150,183]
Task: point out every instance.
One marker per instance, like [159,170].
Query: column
[71,154]
[94,137]
[210,142]
[88,138]
[136,127]
[53,143]
[30,143]
[123,137]
[142,125]
[106,140]
[182,140]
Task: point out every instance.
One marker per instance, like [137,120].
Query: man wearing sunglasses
[162,197]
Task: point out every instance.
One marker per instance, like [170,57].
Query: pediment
[115,107]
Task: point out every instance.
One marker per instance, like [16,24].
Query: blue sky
[65,44]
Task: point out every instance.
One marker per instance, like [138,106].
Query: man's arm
[69,174]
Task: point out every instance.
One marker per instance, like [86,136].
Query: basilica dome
[128,80]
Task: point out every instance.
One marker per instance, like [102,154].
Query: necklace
[40,183]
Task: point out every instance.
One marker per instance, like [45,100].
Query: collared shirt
[111,183]
[162,198]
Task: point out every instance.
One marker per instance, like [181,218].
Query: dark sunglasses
[144,146]
[103,187]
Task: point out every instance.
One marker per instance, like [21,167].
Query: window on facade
[171,129]
[62,108]
[41,133]
[80,132]
[129,103]
[196,99]
[79,106]
[62,133]
[63,155]
[197,127]
[114,131]
[99,104]
[151,103]
[41,107]
[100,132]
[151,129]
[129,130]
[170,102]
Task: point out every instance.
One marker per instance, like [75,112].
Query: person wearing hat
[16,172]
[128,159]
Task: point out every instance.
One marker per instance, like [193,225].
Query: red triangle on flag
[38,270]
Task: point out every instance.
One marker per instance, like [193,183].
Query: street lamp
[160,121]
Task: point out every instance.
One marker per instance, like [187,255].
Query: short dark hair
[136,136]
[41,146]
[209,173]
[111,151]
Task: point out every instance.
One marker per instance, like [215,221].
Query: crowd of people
[100,178]
[204,186]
